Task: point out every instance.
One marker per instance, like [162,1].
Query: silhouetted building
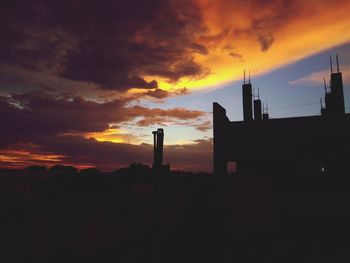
[334,97]
[265,114]
[295,146]
[247,100]
[257,108]
[158,139]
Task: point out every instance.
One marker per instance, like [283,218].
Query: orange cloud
[115,135]
[160,46]
[22,157]
[157,115]
[262,36]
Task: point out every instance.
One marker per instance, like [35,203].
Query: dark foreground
[174,219]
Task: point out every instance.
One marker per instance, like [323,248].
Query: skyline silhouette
[332,107]
[84,84]
[134,214]
[308,145]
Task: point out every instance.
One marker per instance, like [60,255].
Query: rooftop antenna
[244,77]
[267,108]
[325,85]
[337,62]
[321,103]
[249,77]
[258,94]
[330,60]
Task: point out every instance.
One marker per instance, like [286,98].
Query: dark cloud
[263,19]
[280,13]
[25,115]
[228,47]
[204,126]
[110,43]
[183,66]
[37,113]
[156,120]
[183,91]
[265,42]
[161,117]
[199,49]
[162,94]
[157,93]
[236,55]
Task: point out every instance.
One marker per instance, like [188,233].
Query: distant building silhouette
[158,140]
[334,97]
[247,99]
[257,108]
[295,146]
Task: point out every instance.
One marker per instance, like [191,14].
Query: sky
[85,83]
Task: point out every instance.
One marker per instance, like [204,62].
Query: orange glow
[18,155]
[112,135]
[16,158]
[299,30]
[23,158]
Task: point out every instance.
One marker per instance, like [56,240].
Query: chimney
[158,140]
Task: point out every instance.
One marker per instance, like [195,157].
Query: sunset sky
[85,83]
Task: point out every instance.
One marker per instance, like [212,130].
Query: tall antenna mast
[258,94]
[325,85]
[249,77]
[244,77]
[330,60]
[321,103]
[337,62]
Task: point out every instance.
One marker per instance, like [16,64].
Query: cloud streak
[316,78]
